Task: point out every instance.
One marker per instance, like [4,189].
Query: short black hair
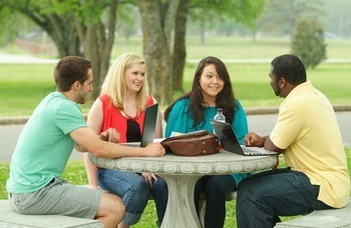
[290,67]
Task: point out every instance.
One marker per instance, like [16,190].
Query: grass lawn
[23,86]
[236,47]
[75,173]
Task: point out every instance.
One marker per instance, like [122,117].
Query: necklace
[128,116]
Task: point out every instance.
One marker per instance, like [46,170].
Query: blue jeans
[216,188]
[135,192]
[264,196]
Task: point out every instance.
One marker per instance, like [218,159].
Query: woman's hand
[149,177]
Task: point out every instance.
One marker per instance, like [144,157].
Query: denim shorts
[58,197]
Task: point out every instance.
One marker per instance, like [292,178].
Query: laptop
[148,132]
[230,143]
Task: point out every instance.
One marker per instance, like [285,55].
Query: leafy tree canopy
[244,12]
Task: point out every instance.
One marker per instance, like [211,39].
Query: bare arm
[269,145]
[87,138]
[90,169]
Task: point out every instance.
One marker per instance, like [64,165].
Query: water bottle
[219,116]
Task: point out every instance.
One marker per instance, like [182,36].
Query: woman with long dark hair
[211,89]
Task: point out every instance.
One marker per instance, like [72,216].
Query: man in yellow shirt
[308,135]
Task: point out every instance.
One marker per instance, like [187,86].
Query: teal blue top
[44,145]
[180,121]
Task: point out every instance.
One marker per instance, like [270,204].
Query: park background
[246,50]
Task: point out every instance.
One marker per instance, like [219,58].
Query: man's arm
[269,145]
[87,140]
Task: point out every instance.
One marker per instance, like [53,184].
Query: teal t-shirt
[44,145]
[180,121]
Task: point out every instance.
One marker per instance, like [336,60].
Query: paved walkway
[28,59]
[25,59]
[258,123]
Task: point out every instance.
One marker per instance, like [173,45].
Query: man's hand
[154,150]
[252,139]
[110,135]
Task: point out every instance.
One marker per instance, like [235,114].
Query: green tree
[128,21]
[308,43]
[87,27]
[281,16]
[95,22]
[76,27]
[164,30]
[58,26]
[16,25]
[211,13]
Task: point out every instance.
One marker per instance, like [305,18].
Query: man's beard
[81,100]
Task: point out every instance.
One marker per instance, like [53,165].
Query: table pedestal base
[181,211]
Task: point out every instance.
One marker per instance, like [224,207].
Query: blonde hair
[114,85]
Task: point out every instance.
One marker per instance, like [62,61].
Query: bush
[308,43]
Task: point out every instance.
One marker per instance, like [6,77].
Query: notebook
[230,143]
[148,132]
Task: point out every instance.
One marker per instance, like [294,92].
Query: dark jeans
[216,188]
[264,196]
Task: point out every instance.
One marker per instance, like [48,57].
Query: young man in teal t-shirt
[46,142]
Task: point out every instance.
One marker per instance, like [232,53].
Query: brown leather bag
[192,144]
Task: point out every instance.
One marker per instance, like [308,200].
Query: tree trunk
[97,45]
[91,39]
[60,29]
[156,51]
[164,30]
[179,48]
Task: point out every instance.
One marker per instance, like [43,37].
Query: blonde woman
[121,105]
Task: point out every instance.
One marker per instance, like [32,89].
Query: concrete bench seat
[11,219]
[330,218]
